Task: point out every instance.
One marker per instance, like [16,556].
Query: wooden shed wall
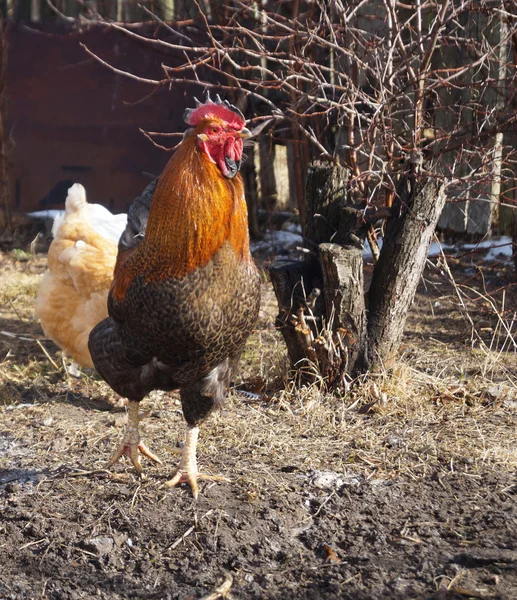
[71,119]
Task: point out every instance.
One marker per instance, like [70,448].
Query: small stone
[327,480]
[100,545]
[12,488]
[393,441]
[48,421]
[495,391]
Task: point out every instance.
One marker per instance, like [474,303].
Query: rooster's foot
[187,471]
[131,445]
[185,476]
[133,450]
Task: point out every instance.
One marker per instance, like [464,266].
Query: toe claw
[133,451]
[191,479]
[184,477]
[146,452]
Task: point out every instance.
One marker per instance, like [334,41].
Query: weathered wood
[343,285]
[324,198]
[400,266]
[293,282]
[327,332]
[249,174]
[297,165]
[5,199]
[268,187]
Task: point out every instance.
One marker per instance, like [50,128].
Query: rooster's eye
[215,130]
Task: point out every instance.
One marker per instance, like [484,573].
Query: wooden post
[249,174]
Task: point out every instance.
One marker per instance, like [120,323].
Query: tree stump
[322,303]
[294,282]
[321,299]
[343,292]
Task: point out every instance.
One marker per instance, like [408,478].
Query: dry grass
[443,408]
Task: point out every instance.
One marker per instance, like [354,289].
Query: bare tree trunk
[343,285]
[267,172]
[5,200]
[249,174]
[500,102]
[401,264]
[325,197]
[294,282]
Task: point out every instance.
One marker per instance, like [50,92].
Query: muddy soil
[65,538]
[326,500]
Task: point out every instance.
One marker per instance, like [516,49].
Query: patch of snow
[275,241]
[292,227]
[46,214]
[367,251]
[104,222]
[500,249]
[436,248]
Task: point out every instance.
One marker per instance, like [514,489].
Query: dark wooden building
[69,119]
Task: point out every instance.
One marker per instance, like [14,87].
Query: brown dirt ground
[403,488]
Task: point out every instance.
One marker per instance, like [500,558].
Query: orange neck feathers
[195,210]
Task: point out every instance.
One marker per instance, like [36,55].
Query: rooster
[72,296]
[184,299]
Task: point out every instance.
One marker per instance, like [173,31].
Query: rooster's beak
[245,133]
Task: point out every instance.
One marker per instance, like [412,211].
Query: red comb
[219,108]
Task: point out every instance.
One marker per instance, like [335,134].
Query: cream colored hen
[72,297]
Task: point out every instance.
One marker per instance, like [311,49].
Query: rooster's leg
[131,444]
[187,471]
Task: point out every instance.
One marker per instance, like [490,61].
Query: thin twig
[222,591]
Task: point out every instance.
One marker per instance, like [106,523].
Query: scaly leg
[131,444]
[187,471]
